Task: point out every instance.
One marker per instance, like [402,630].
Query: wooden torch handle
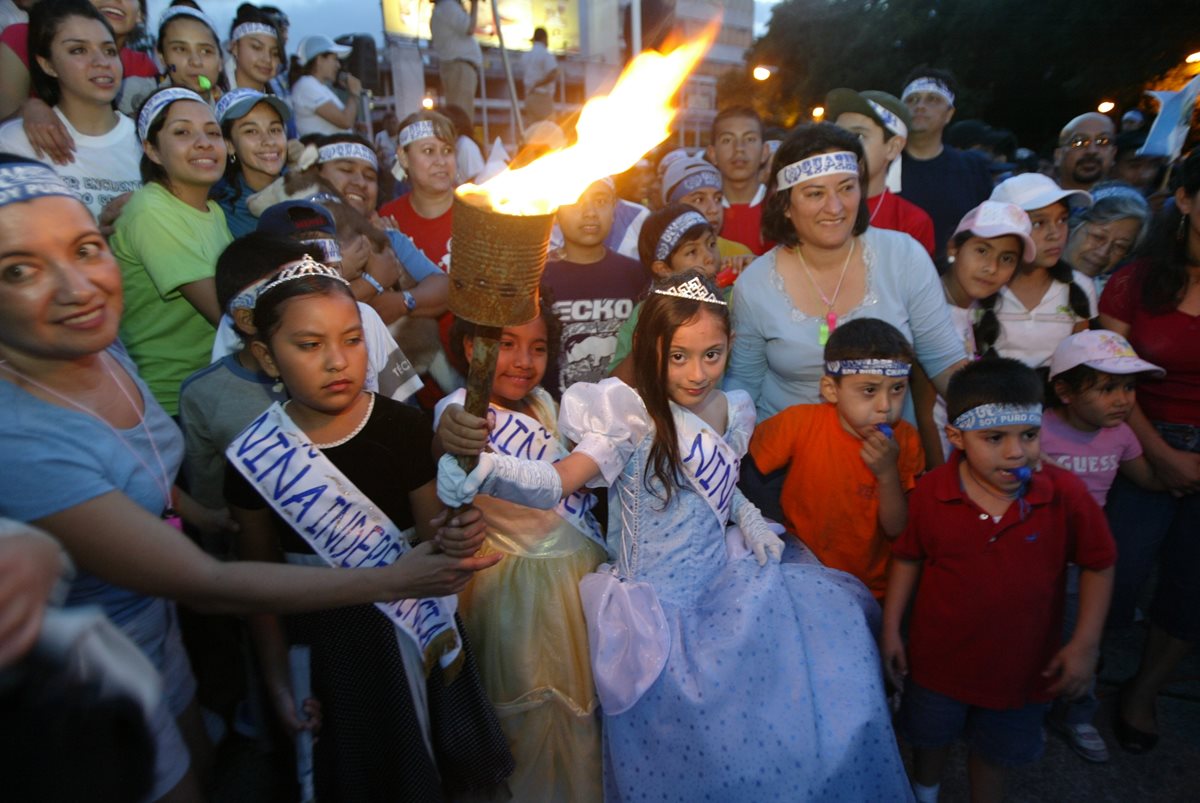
[484,350]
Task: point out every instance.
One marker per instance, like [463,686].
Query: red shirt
[988,615]
[1167,339]
[430,234]
[135,63]
[890,211]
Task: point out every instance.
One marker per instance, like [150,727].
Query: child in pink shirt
[1093,375]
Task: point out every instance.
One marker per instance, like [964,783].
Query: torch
[498,264]
[501,228]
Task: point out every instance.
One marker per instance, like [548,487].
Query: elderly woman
[1155,303]
[92,460]
[1108,231]
[829,266]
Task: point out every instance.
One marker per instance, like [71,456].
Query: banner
[409,19]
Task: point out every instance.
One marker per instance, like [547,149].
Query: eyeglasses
[1080,141]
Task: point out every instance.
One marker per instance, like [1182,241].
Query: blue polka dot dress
[772,689]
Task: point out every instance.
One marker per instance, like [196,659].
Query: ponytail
[1076,298]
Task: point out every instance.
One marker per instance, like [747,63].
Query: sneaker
[1084,740]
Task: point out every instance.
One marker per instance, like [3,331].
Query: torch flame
[614,131]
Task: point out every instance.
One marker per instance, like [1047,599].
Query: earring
[233,158]
[278,386]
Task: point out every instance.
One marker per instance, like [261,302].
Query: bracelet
[409,300]
[371,280]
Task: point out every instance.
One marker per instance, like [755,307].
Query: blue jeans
[1152,526]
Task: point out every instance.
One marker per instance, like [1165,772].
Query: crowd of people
[942,406]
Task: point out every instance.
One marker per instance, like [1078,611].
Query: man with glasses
[1085,152]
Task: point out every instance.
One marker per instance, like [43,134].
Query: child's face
[588,221]
[696,360]
[521,362]
[994,453]
[1049,233]
[1105,404]
[738,149]
[699,253]
[982,266]
[707,200]
[864,401]
[318,351]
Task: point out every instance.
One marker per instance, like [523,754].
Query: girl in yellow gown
[524,615]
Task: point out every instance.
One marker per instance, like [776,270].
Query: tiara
[302,269]
[693,290]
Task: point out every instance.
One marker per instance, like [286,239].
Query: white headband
[889,368]
[697,178]
[248,297]
[675,230]
[159,101]
[693,290]
[347,150]
[24,182]
[186,11]
[823,164]
[928,84]
[990,416]
[251,28]
[415,131]
[889,118]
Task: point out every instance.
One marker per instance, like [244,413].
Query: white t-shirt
[468,159]
[10,14]
[105,166]
[539,62]
[1031,335]
[308,95]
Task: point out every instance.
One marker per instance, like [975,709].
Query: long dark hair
[660,317]
[1168,251]
[45,20]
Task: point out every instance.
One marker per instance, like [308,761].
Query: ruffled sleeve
[742,417]
[607,421]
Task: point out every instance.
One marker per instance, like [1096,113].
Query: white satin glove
[532,483]
[755,533]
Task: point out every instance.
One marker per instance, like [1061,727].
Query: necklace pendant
[823,334]
[831,320]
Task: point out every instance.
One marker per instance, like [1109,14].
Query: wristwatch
[409,300]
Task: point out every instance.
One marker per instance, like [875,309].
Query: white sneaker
[1084,740]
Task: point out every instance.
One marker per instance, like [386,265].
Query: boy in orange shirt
[851,460]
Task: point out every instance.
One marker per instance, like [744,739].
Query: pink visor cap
[998,219]
[1102,350]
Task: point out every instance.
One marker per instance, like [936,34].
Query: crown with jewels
[302,269]
[693,290]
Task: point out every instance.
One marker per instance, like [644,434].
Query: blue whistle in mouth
[1024,474]
[886,429]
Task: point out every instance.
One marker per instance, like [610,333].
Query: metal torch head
[496,264]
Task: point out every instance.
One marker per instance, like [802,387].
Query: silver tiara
[693,290]
[302,269]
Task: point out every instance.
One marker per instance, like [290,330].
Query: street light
[762,72]
[818,112]
[1106,107]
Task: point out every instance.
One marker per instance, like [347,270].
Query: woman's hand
[1178,470]
[30,565]
[425,572]
[463,433]
[353,85]
[47,134]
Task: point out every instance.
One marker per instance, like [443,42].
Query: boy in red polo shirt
[986,549]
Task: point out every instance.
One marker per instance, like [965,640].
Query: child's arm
[1075,663]
[882,454]
[256,541]
[1141,473]
[924,400]
[902,581]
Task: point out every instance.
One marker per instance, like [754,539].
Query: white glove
[454,486]
[755,532]
[532,483]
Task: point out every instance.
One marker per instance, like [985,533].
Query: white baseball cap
[313,46]
[1032,191]
[1100,349]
